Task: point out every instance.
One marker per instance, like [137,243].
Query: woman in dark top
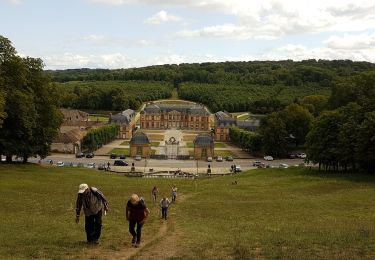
[136,213]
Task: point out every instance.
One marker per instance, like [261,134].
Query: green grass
[155,143]
[270,214]
[98,118]
[189,144]
[125,151]
[220,145]
[127,142]
[223,153]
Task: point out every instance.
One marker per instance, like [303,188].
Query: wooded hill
[257,86]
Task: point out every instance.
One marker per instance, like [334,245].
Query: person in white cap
[136,213]
[93,202]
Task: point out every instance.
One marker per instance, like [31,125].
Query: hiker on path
[154,193]
[93,202]
[164,204]
[174,193]
[136,213]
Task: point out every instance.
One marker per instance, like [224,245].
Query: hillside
[272,213]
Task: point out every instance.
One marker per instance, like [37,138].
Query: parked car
[90,155]
[256,163]
[301,155]
[60,164]
[229,158]
[120,163]
[283,166]
[113,156]
[138,158]
[292,156]
[91,165]
[79,155]
[219,159]
[237,168]
[101,166]
[122,156]
[262,165]
[268,158]
[209,159]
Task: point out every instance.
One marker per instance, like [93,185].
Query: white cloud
[351,42]
[162,17]
[93,38]
[70,60]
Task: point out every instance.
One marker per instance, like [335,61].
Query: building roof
[182,108]
[70,137]
[203,140]
[139,138]
[223,118]
[122,118]
[74,114]
[251,125]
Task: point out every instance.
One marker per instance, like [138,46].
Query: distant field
[155,137]
[220,145]
[223,153]
[268,214]
[155,143]
[187,138]
[125,142]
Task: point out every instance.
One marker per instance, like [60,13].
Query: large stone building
[203,146]
[126,120]
[224,121]
[167,116]
[73,117]
[140,145]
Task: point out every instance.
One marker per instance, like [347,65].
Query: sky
[135,33]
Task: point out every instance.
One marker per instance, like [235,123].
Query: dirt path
[160,246]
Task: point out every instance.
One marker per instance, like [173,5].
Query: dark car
[120,163]
[257,163]
[229,158]
[122,156]
[293,156]
[90,155]
[113,156]
[79,155]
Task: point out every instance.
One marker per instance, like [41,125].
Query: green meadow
[268,214]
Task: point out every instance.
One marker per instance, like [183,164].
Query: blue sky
[136,33]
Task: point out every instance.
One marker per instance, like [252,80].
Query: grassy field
[223,153]
[98,118]
[156,137]
[125,151]
[127,142]
[154,143]
[271,214]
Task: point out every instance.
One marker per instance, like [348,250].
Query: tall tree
[273,131]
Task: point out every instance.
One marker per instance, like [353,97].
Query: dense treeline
[111,95]
[287,72]
[256,86]
[247,140]
[29,118]
[97,137]
[343,138]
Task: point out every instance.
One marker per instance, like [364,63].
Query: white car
[268,158]
[301,155]
[91,165]
[60,164]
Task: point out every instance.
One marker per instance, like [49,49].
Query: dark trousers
[93,226]
[164,212]
[137,234]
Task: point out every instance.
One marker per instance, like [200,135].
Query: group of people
[95,204]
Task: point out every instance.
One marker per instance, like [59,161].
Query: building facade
[224,121]
[140,145]
[126,120]
[167,116]
[204,146]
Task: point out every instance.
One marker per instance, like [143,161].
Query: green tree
[365,151]
[274,135]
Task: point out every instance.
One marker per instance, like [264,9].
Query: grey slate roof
[139,138]
[122,118]
[203,140]
[223,118]
[165,108]
[251,125]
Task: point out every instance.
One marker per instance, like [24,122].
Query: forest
[256,86]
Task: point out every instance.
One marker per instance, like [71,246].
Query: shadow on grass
[346,176]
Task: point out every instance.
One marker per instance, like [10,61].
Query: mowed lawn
[270,213]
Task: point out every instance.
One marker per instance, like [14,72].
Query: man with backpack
[93,203]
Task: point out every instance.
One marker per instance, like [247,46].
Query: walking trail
[160,246]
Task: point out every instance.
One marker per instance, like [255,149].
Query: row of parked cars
[260,164]
[220,159]
[291,156]
[83,155]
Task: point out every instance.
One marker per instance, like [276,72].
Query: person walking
[164,204]
[174,193]
[93,203]
[136,213]
[154,193]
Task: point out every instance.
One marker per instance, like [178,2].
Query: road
[193,166]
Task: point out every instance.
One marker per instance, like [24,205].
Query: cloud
[70,60]
[351,42]
[162,17]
